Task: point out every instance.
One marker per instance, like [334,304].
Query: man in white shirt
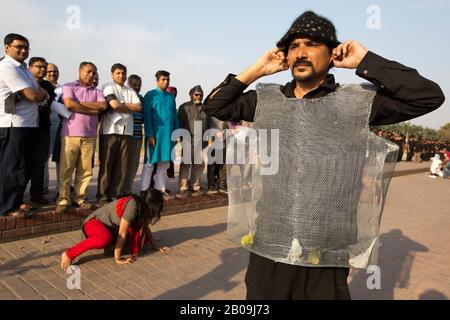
[116,129]
[19,95]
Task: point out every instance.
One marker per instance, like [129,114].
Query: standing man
[19,96]
[52,74]
[115,133]
[38,68]
[135,143]
[217,171]
[400,141]
[305,226]
[418,151]
[160,120]
[171,170]
[55,126]
[412,146]
[190,113]
[78,136]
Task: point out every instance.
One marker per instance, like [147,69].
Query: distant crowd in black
[416,149]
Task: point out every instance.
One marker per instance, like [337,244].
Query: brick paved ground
[415,253]
[203,264]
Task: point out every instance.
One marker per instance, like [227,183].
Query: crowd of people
[416,149]
[44,120]
[419,149]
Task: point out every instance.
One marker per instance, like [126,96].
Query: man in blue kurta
[160,120]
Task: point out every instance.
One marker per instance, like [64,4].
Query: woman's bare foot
[65,262]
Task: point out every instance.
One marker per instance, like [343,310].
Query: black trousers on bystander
[41,141]
[17,152]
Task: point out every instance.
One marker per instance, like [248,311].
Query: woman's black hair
[149,205]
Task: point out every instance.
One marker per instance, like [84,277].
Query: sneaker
[432,176]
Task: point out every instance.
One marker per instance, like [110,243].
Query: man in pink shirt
[78,135]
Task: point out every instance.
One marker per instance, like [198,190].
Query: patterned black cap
[311,25]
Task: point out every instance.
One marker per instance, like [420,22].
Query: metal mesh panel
[323,206]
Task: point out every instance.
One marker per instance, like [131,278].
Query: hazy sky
[201,41]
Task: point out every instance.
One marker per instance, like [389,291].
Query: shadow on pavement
[14,267]
[396,257]
[433,295]
[173,237]
[234,260]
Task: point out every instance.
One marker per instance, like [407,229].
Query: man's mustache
[302,63]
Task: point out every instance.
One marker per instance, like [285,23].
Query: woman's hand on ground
[65,262]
